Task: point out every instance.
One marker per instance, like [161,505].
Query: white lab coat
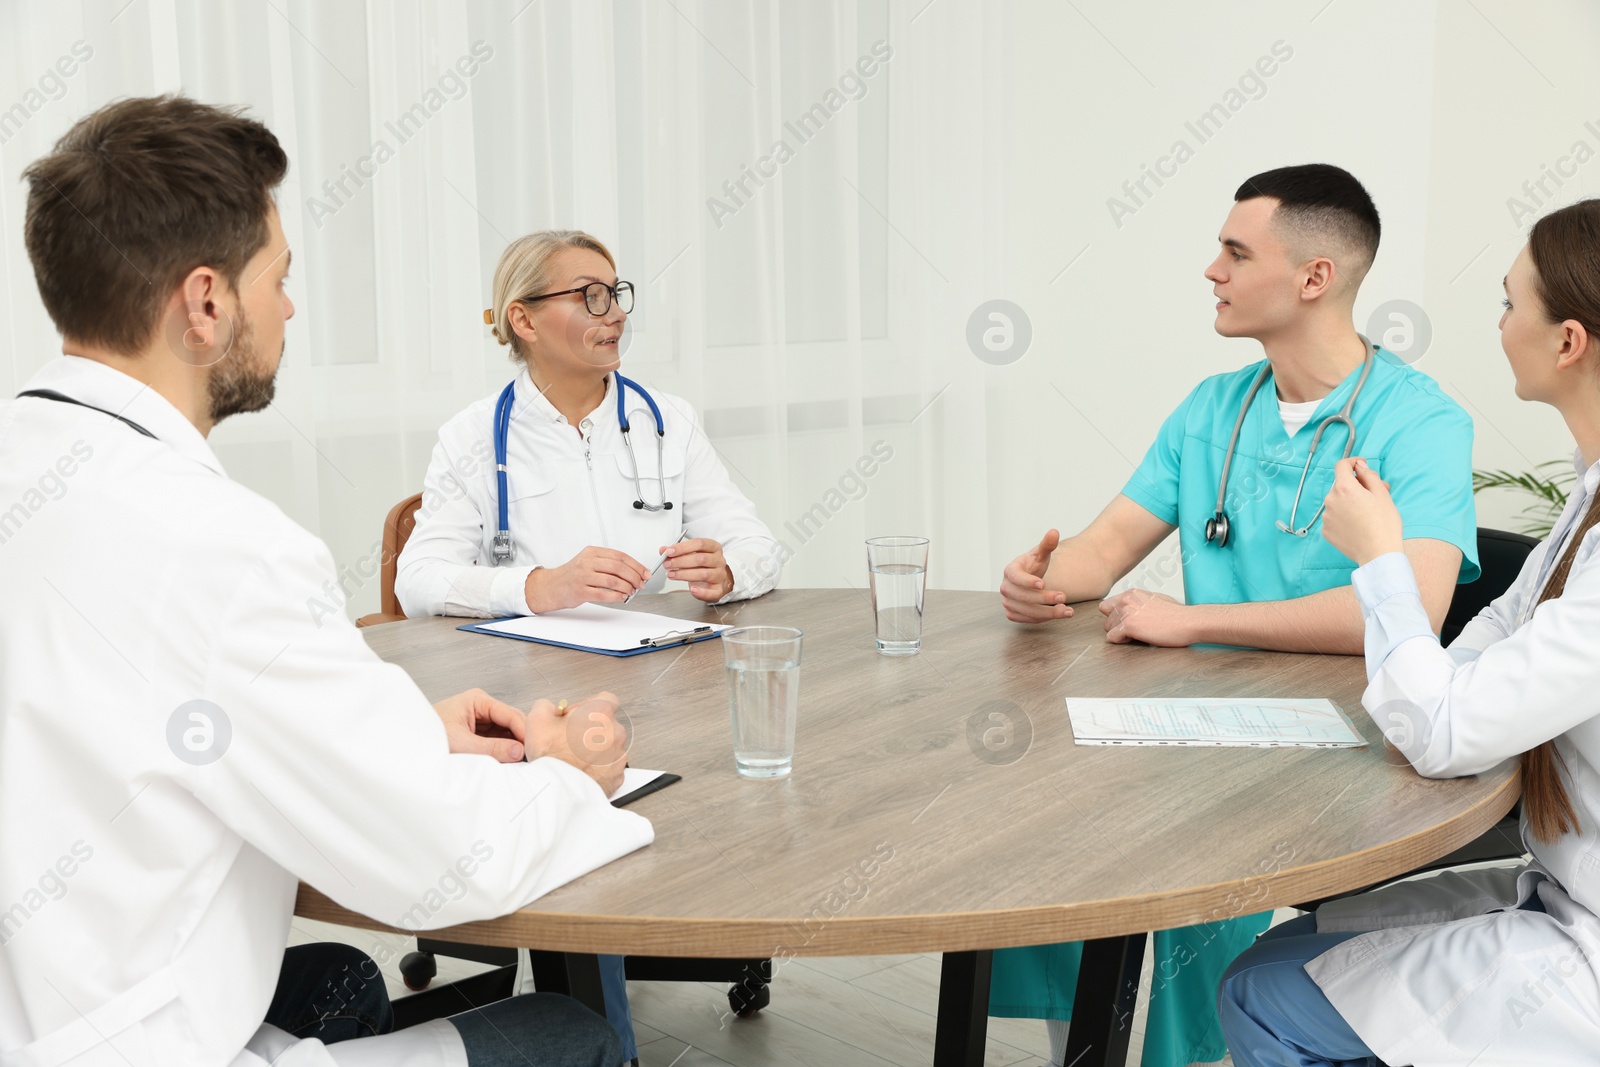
[145,901]
[570,488]
[1450,976]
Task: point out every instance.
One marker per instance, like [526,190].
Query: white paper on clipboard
[1212,721]
[595,626]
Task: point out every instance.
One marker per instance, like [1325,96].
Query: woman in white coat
[1494,966]
[568,485]
[601,476]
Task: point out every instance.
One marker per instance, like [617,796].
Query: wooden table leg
[1102,1008]
[574,974]
[963,1009]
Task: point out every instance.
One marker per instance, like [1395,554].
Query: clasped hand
[586,735]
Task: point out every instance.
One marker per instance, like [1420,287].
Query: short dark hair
[133,198]
[1320,200]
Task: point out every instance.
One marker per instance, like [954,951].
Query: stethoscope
[504,549]
[1217,526]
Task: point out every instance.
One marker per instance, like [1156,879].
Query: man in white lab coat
[180,741]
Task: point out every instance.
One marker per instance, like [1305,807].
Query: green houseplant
[1549,492]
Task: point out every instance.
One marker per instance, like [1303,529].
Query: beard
[239,385]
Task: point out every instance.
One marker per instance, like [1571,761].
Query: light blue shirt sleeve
[1390,605]
[1428,466]
[1154,485]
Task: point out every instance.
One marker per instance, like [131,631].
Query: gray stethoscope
[504,549]
[1217,525]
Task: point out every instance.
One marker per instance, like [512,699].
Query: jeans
[614,983]
[537,1030]
[334,993]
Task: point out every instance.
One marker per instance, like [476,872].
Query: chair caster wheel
[746,1000]
[417,969]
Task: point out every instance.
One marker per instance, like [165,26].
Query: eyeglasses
[597,296]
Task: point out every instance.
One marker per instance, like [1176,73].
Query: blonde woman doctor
[569,485]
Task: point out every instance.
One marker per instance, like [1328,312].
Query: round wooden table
[938,802]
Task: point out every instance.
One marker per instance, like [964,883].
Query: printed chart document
[1219,721]
[599,628]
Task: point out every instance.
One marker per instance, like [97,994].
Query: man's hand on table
[587,735]
[1140,615]
[477,723]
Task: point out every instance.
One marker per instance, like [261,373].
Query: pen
[661,563]
[676,637]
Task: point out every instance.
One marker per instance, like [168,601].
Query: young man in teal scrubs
[1295,248]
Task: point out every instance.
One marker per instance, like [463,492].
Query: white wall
[832,310]
[1442,110]
[1515,88]
[1104,91]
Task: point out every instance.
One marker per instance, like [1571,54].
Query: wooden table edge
[841,934]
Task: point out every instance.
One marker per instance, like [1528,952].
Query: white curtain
[810,197]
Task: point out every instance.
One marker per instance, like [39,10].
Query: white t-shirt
[1295,416]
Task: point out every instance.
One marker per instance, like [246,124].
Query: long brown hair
[1565,249]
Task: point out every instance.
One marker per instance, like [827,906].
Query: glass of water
[899,568]
[763,665]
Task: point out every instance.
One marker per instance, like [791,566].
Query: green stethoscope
[1217,526]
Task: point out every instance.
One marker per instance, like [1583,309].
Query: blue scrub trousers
[1274,1015]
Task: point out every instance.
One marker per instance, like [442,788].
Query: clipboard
[595,628]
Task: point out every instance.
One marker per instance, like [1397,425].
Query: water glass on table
[763,665]
[899,569]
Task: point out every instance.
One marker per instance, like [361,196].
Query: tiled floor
[872,1011]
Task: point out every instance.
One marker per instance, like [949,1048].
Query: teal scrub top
[1416,438]
[1420,442]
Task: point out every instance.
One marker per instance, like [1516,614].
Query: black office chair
[1501,555]
[751,990]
